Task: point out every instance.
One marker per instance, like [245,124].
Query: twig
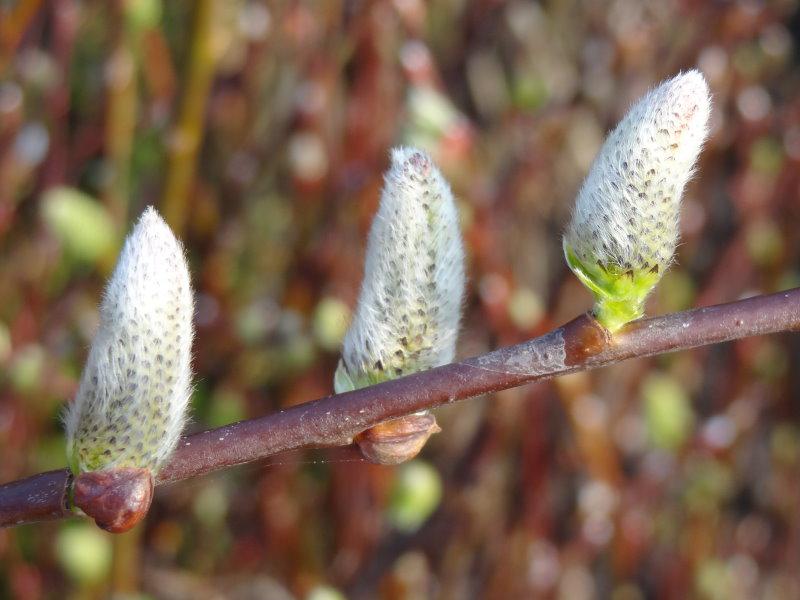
[579,345]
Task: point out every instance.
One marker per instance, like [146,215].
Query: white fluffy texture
[408,313]
[628,210]
[131,404]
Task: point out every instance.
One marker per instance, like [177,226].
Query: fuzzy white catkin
[628,209]
[131,404]
[409,309]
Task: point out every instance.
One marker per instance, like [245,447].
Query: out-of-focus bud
[625,225]
[131,404]
[409,308]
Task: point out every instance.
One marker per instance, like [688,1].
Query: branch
[579,345]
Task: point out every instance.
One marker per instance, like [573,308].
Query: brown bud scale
[398,440]
[117,499]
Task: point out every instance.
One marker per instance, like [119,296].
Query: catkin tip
[414,159]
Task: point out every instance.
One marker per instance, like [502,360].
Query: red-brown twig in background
[579,345]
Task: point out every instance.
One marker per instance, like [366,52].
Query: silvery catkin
[625,225]
[131,403]
[409,308]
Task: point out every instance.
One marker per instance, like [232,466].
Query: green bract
[619,293]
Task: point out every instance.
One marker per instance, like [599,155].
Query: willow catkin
[409,308]
[131,403]
[625,225]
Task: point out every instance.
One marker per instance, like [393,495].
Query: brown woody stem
[579,345]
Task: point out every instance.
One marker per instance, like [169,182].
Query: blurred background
[261,131]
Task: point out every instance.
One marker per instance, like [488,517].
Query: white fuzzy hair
[409,309]
[131,404]
[627,214]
